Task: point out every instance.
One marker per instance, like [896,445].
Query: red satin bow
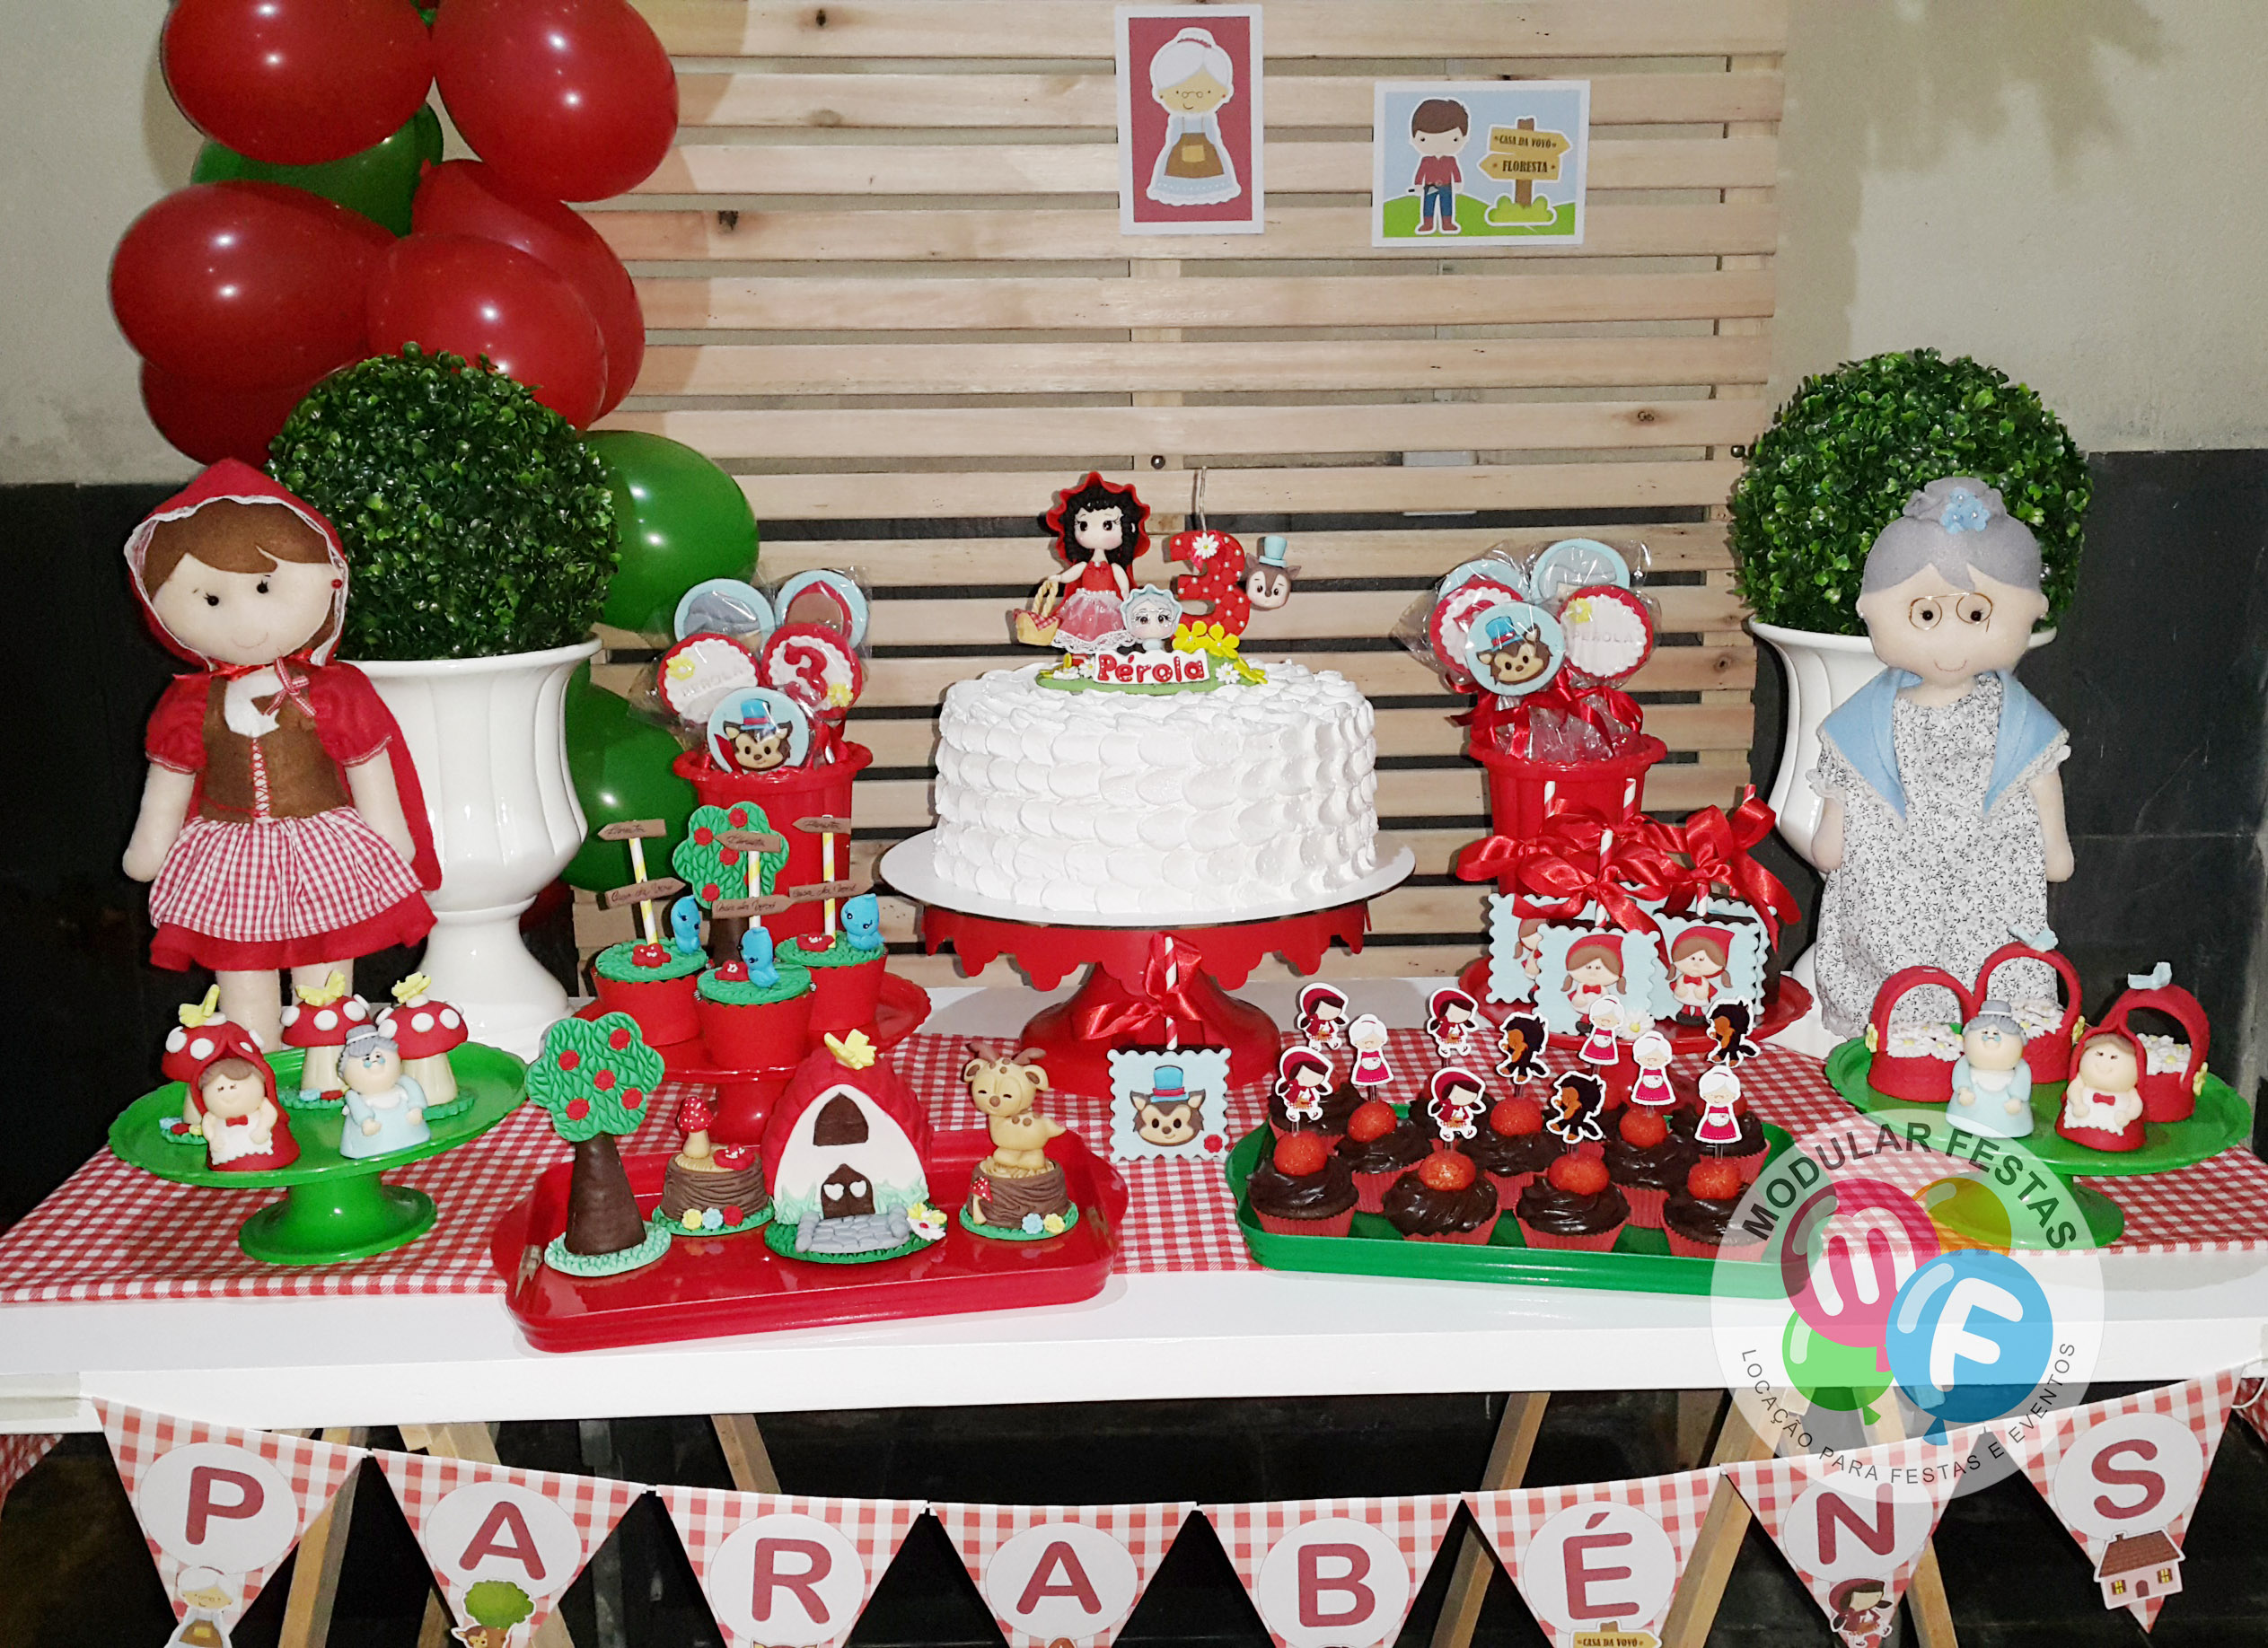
[1718,846]
[1579,859]
[1165,1009]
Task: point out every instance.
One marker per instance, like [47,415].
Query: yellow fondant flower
[194,1014]
[407,991]
[852,1052]
[1052,1224]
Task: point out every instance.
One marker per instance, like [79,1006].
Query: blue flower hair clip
[1965,512]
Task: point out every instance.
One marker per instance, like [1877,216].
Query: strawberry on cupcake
[1512,1146]
[1698,1219]
[1443,1199]
[1302,1188]
[1574,1207]
[1378,1148]
[1647,1161]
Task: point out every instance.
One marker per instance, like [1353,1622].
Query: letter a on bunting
[1053,1574]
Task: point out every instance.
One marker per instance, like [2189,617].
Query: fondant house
[843,1151]
[2137,1567]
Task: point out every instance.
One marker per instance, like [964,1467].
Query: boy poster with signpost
[1490,163]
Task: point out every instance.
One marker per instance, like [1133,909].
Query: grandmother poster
[1189,120]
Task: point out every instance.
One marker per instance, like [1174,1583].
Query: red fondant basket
[2048,1054]
[1916,1079]
[2167,1095]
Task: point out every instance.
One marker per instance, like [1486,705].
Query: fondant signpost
[642,890]
[730,858]
[595,1077]
[827,826]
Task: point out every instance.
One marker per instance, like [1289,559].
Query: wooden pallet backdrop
[884,285]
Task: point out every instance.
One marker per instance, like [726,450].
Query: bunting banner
[1854,1525]
[2251,1400]
[220,1508]
[784,1571]
[18,1454]
[1061,1573]
[1599,1564]
[504,1544]
[1333,1572]
[2123,1477]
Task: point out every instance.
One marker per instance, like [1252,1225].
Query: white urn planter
[490,739]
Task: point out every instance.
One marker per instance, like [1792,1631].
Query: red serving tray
[728,1284]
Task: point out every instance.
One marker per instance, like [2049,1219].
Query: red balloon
[475,298]
[468,197]
[246,285]
[209,423]
[296,83]
[571,99]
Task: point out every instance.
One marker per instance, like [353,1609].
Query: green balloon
[681,520]
[1834,1376]
[379,182]
[621,770]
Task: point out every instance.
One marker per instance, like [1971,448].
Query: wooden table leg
[1718,1544]
[1697,1411]
[745,1455]
[1926,1604]
[1508,1463]
[315,1573]
[476,1442]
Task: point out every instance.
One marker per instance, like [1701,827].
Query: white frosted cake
[1121,802]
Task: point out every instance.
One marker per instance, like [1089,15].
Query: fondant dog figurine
[1004,1089]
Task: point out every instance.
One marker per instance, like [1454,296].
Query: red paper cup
[1685,1247]
[1602,1242]
[1338,1224]
[1750,1165]
[845,998]
[1646,1206]
[1508,1187]
[1370,1189]
[1478,1236]
[774,1036]
[664,1008]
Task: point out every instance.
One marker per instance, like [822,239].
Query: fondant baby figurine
[2102,1100]
[1943,821]
[1992,1084]
[386,1110]
[281,826]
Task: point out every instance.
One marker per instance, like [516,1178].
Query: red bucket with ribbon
[1522,793]
[786,794]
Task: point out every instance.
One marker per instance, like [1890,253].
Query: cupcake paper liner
[1601,1241]
[1476,1237]
[1646,1206]
[1685,1247]
[1338,1224]
[1370,1189]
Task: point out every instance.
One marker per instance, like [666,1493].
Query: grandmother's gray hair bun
[1955,524]
[365,1038]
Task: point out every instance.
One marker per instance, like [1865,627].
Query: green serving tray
[1640,1262]
[334,1207]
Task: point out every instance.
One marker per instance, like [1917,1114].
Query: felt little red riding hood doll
[281,824]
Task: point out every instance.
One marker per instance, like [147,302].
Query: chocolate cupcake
[1746,1152]
[1573,1207]
[1338,1105]
[1379,1147]
[1698,1217]
[1646,1161]
[1511,1147]
[1301,1189]
[1443,1199]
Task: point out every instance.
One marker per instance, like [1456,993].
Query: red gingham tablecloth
[112,1231]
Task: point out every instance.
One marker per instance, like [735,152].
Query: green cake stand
[2221,1119]
[334,1207]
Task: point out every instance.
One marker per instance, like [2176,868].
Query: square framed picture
[1169,1104]
[1490,164]
[1190,136]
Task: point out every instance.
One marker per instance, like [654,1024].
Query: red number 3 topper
[813,665]
[1219,580]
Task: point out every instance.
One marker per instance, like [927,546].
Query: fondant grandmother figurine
[282,826]
[1944,816]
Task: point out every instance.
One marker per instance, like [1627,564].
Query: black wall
[2158,673]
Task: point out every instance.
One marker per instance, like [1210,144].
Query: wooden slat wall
[885,286]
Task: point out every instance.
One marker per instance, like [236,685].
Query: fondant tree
[595,1077]
[713,872]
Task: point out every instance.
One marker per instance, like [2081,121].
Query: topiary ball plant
[476,521]
[1851,445]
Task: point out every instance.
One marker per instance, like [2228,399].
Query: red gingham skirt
[282,892]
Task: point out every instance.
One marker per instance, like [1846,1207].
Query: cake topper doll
[1650,1087]
[1698,958]
[1097,528]
[1148,617]
[1367,1036]
[1521,1040]
[1453,1019]
[1729,1024]
[233,1094]
[1322,1016]
[281,824]
[1458,1098]
[1576,1097]
[1303,1079]
[1943,821]
[1992,1084]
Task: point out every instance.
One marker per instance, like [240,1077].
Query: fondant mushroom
[425,1029]
[189,1045]
[319,1023]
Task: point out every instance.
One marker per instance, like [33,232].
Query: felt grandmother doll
[1944,815]
[281,826]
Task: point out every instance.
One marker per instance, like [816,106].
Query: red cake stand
[1126,1001]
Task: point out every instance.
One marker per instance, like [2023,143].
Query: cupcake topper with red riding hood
[595,1078]
[1303,1079]
[1453,1019]
[282,826]
[320,1022]
[1097,528]
[233,1106]
[1322,1016]
[1458,1097]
